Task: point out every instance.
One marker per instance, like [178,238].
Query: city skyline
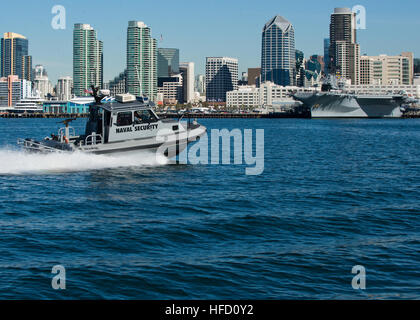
[203,35]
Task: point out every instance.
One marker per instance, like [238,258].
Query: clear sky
[203,28]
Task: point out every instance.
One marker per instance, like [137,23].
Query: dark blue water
[334,194]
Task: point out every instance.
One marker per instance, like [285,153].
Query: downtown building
[200,84]
[141,60]
[167,62]
[344,52]
[187,71]
[221,77]
[42,85]
[268,94]
[387,70]
[170,90]
[13,89]
[118,85]
[64,89]
[278,55]
[14,56]
[87,59]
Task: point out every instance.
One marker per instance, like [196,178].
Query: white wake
[14,162]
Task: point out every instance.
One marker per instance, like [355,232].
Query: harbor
[413,113]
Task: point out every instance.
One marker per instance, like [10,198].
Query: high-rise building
[171,89]
[344,52]
[14,56]
[141,60]
[200,84]
[64,88]
[387,70]
[300,68]
[42,84]
[87,59]
[327,59]
[187,71]
[167,62]
[221,77]
[278,52]
[119,84]
[13,89]
[253,75]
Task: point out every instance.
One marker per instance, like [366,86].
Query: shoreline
[192,116]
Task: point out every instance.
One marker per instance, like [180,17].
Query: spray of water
[13,162]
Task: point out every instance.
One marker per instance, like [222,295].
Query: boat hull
[327,105]
[169,145]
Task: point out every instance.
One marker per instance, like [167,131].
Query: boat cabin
[126,119]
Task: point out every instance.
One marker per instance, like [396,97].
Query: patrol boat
[128,125]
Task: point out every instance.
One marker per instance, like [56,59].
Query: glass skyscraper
[87,59]
[141,60]
[221,77]
[14,56]
[278,60]
[167,62]
[327,59]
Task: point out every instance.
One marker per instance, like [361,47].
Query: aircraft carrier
[346,105]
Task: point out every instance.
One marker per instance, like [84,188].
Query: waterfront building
[14,56]
[221,77]
[13,89]
[64,89]
[141,60]
[386,70]
[278,58]
[77,105]
[87,59]
[268,94]
[253,75]
[187,71]
[10,91]
[377,89]
[167,62]
[344,52]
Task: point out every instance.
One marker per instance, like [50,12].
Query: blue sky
[199,29]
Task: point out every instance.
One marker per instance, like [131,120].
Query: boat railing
[35,146]
[93,139]
[62,132]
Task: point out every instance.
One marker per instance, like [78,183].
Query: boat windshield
[144,116]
